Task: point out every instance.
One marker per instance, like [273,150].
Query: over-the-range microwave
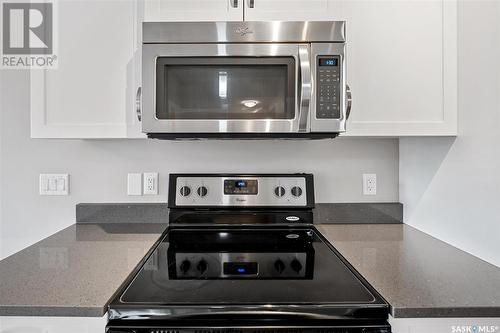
[243,80]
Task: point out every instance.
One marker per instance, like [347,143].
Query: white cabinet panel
[89,93]
[402,67]
[193,10]
[292,10]
[53,324]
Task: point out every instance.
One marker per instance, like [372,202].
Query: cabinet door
[193,10]
[89,93]
[402,67]
[292,10]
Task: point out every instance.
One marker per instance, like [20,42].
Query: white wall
[98,168]
[451,187]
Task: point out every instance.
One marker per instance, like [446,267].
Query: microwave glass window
[226,88]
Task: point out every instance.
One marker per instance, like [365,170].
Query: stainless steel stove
[241,254]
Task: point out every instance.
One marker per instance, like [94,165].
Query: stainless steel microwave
[243,80]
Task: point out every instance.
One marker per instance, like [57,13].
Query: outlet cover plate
[150,183]
[369,184]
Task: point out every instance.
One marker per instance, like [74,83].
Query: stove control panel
[234,190]
[240,265]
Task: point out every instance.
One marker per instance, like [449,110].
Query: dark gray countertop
[75,272]
[418,275]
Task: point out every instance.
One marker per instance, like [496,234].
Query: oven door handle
[304,88]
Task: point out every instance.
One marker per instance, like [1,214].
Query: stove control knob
[185,266]
[279,191]
[279,265]
[296,265]
[202,191]
[296,191]
[185,191]
[202,266]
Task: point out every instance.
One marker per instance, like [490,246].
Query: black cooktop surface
[249,266]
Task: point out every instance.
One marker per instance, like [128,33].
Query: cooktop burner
[242,250]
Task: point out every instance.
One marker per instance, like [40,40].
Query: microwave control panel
[328,87]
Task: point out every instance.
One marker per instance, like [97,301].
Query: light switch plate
[134,184]
[150,183]
[54,184]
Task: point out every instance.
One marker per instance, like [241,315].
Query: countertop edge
[449,312]
[52,311]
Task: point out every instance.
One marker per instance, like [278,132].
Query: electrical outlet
[151,183]
[369,184]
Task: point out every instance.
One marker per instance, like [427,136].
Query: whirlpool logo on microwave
[28,38]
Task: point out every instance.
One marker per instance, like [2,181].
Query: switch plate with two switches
[139,184]
[369,184]
[54,184]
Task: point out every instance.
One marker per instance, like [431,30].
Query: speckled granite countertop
[75,272]
[418,275]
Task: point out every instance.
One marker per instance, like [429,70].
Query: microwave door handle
[348,96]
[138,97]
[305,87]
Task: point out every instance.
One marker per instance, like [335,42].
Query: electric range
[241,254]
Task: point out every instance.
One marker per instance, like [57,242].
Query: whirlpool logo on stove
[474,329]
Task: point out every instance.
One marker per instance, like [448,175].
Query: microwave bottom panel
[242,136]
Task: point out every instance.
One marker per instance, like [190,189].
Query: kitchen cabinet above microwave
[402,72]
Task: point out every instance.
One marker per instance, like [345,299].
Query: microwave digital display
[328,62]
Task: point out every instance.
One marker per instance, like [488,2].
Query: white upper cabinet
[290,10]
[91,92]
[193,10]
[402,67]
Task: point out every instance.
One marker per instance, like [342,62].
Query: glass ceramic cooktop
[245,267]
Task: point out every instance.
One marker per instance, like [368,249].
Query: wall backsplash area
[98,168]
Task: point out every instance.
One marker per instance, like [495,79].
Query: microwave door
[225,88]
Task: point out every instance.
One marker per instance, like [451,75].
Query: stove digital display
[241,186]
[241,268]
